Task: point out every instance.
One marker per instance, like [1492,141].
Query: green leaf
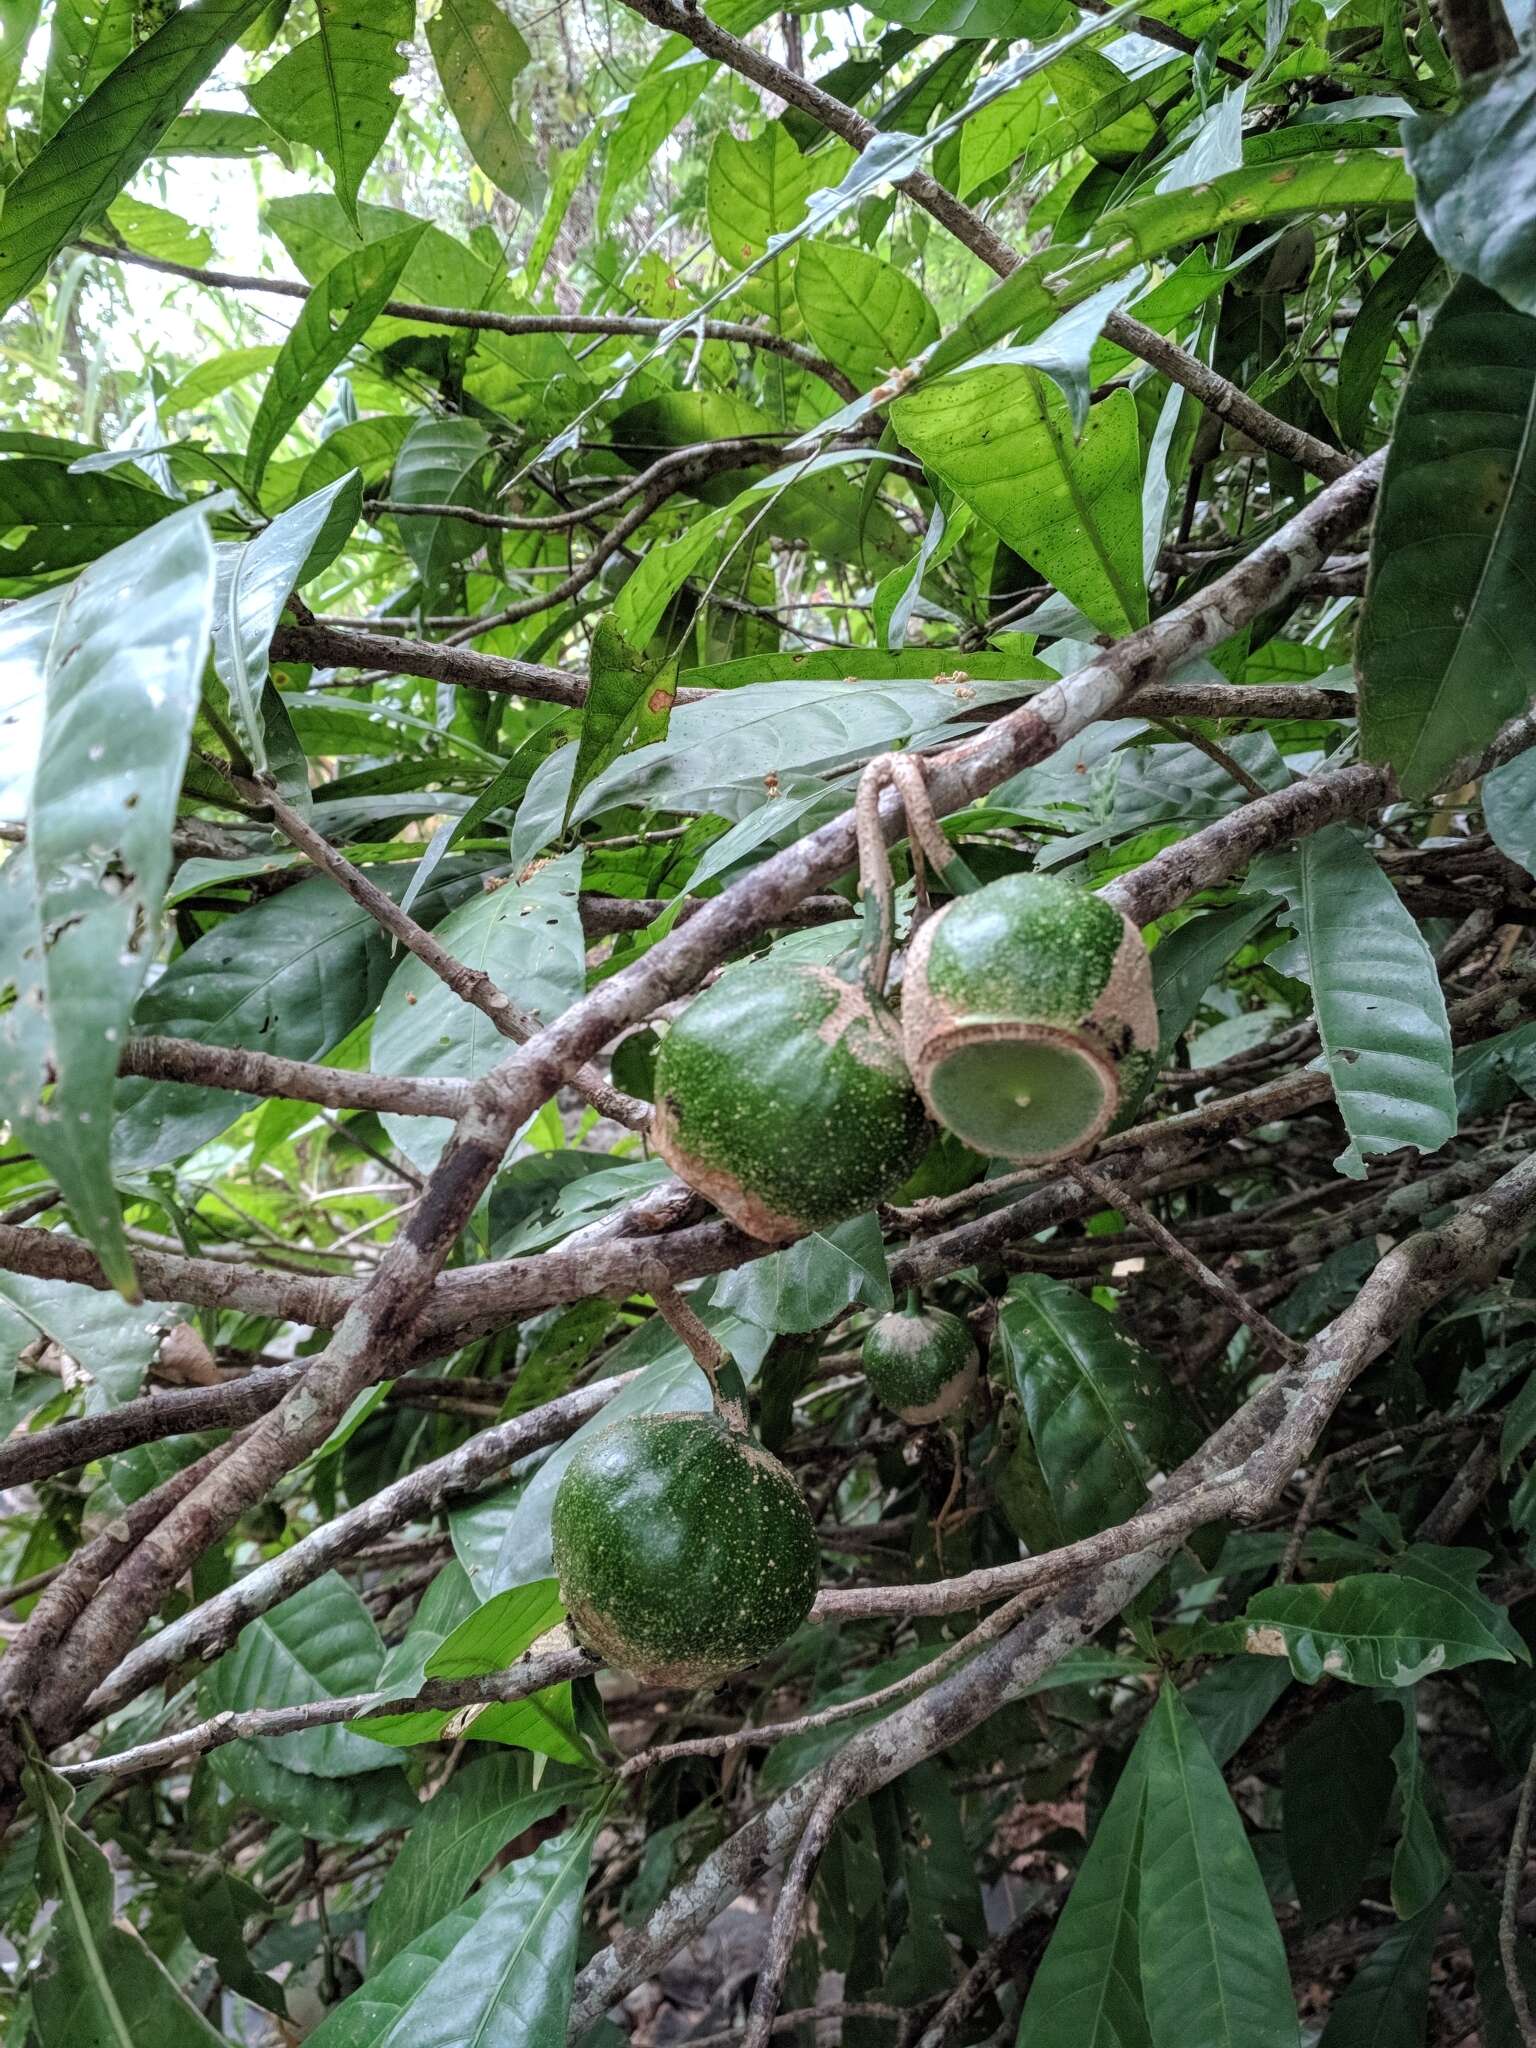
[813,1282]
[1044,285]
[1087,1991]
[1448,634]
[497,1634]
[99,1984]
[1475,185]
[1386,2003]
[52,519]
[255,581]
[977,19]
[336,316]
[1002,439]
[1375,1629]
[1232,1699]
[1213,1966]
[527,937]
[292,975]
[1338,1786]
[112,1341]
[461,1832]
[1509,809]
[567,169]
[1380,1011]
[498,1968]
[214,1908]
[18,20]
[862,313]
[1083,98]
[1420,1866]
[335,93]
[758,189]
[1371,333]
[205,381]
[439,463]
[88,39]
[79,171]
[122,676]
[1102,1415]
[629,701]
[320,1645]
[478,54]
[1188,960]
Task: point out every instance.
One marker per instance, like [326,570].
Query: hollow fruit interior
[1019,1100]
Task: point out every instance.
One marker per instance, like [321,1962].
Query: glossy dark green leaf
[1371,331]
[1509,809]
[1420,1866]
[80,170]
[440,463]
[1101,1412]
[1231,1699]
[461,1831]
[805,1287]
[1213,1966]
[1448,634]
[55,520]
[1338,1786]
[1380,1012]
[215,1908]
[1188,960]
[336,316]
[1376,1629]
[319,1645]
[336,91]
[499,1968]
[1475,175]
[478,54]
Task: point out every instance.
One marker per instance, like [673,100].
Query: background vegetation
[474,494]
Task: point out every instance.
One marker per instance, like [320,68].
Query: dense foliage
[508,515]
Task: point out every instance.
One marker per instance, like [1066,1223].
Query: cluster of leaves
[694,466]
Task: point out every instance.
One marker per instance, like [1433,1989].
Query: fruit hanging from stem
[1027,1011]
[782,1095]
[920,1362]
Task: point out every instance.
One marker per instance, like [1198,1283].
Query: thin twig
[1514,1872]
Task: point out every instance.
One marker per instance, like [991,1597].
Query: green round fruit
[920,1362]
[1027,1009]
[683,1550]
[781,1094]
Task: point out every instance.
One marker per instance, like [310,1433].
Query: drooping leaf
[336,316]
[79,171]
[478,54]
[1188,960]
[439,463]
[1386,2002]
[254,583]
[1380,1012]
[1002,439]
[1448,633]
[1338,1785]
[1509,809]
[1375,1629]
[1476,189]
[498,1968]
[1100,1410]
[335,92]
[122,677]
[99,1982]
[461,1831]
[1420,1866]
[1213,1966]
[527,937]
[814,1281]
[215,1909]
[1087,1991]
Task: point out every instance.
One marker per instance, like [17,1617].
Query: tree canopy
[508,516]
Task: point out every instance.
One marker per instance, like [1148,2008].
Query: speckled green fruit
[781,1093]
[921,1363]
[683,1550]
[1026,1008]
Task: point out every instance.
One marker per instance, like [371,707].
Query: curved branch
[481,319]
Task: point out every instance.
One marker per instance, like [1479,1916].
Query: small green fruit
[683,1550]
[1026,1008]
[781,1094]
[921,1363]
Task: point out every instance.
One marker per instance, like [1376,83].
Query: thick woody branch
[263,1073]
